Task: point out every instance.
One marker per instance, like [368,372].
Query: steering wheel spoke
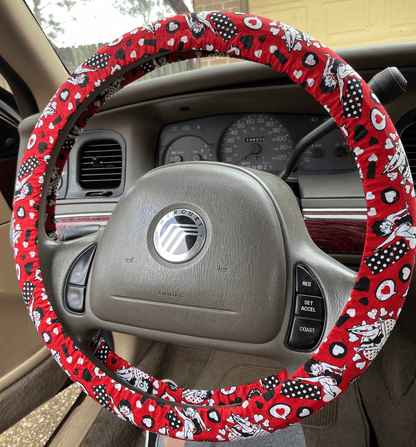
[66,266]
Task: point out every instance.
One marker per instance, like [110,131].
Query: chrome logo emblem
[179,235]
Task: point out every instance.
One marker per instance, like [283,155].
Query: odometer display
[257,141]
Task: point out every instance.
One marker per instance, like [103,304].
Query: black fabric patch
[262,38]
[299,390]
[86,375]
[359,132]
[259,404]
[65,350]
[363,285]
[363,301]
[382,259]
[174,421]
[341,320]
[28,268]
[280,57]
[150,42]
[269,395]
[373,141]
[247,41]
[371,171]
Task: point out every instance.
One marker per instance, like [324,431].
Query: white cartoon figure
[329,384]
[136,378]
[294,38]
[395,225]
[372,335]
[398,164]
[50,109]
[23,189]
[243,428]
[123,410]
[198,23]
[192,423]
[327,375]
[196,397]
[79,76]
[334,74]
[17,232]
[316,368]
[150,28]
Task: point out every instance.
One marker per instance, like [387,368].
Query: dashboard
[261,141]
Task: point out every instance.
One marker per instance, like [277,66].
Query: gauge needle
[242,156]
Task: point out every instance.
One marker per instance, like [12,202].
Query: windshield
[78,28]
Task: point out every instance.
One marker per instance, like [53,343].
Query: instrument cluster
[261,141]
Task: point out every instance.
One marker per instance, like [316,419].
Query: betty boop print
[23,189]
[132,376]
[192,423]
[294,38]
[372,335]
[243,428]
[334,74]
[123,410]
[399,164]
[399,224]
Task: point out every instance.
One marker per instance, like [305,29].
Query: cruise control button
[309,306]
[305,333]
[306,283]
[79,271]
[74,298]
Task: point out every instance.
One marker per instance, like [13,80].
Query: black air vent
[408,138]
[100,165]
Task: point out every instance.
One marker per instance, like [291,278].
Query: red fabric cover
[378,296]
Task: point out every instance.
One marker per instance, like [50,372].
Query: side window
[9,140]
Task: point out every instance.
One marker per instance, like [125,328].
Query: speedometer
[257,141]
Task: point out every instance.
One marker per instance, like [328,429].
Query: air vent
[408,138]
[100,165]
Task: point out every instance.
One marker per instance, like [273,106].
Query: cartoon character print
[197,397]
[399,224]
[123,410]
[23,189]
[150,28]
[266,388]
[293,37]
[327,375]
[50,109]
[80,77]
[334,75]
[137,378]
[198,23]
[17,232]
[372,336]
[243,428]
[398,164]
[192,423]
[36,314]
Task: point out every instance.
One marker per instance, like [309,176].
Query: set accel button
[309,306]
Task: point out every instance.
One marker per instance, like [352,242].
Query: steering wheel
[213,254]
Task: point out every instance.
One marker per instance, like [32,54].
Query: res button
[305,333]
[306,283]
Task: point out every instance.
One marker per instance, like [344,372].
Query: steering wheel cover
[376,300]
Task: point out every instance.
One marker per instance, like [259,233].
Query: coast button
[305,333]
